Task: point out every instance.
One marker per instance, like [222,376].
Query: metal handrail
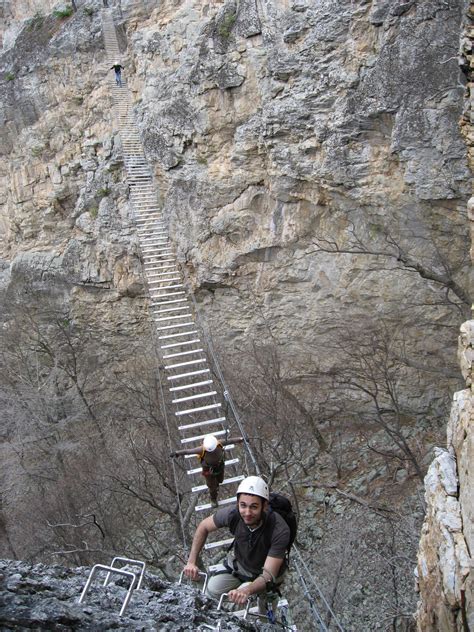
[102,567]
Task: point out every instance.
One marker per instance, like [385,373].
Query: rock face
[445,566]
[288,152]
[309,159]
[44,597]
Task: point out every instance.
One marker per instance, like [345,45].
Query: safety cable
[311,578]
[312,604]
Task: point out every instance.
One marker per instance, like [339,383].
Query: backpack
[279,504]
[282,505]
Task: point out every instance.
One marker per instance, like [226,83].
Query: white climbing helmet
[254,485]
[209,443]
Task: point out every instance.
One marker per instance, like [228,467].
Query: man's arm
[196,451]
[204,528]
[270,571]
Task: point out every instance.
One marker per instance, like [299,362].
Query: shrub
[225,27]
[36,21]
[37,151]
[9,76]
[93,212]
[88,10]
[65,12]
[103,192]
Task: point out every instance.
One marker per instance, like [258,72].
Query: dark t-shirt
[252,547]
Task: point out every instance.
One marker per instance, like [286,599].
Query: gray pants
[224,582]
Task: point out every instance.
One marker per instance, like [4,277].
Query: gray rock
[46,598]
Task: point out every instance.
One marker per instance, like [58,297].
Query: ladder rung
[182,353]
[181,375]
[155,241]
[192,411]
[150,272]
[183,333]
[201,437]
[188,363]
[198,470]
[197,424]
[171,309]
[224,501]
[191,385]
[168,287]
[171,294]
[181,344]
[156,304]
[165,280]
[176,326]
[191,397]
[227,481]
[159,320]
[149,249]
[218,543]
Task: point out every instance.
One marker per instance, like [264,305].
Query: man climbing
[212,459]
[117,68]
[257,561]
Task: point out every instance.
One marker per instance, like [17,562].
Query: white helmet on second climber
[255,486]
[209,443]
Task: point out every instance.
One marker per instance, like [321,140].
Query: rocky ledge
[40,597]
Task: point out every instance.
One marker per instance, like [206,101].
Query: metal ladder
[195,401]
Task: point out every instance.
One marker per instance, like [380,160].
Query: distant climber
[118,73]
[212,459]
[256,563]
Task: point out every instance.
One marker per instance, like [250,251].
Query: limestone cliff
[444,572]
[445,566]
[309,159]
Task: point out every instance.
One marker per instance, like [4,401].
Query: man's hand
[239,597]
[191,571]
